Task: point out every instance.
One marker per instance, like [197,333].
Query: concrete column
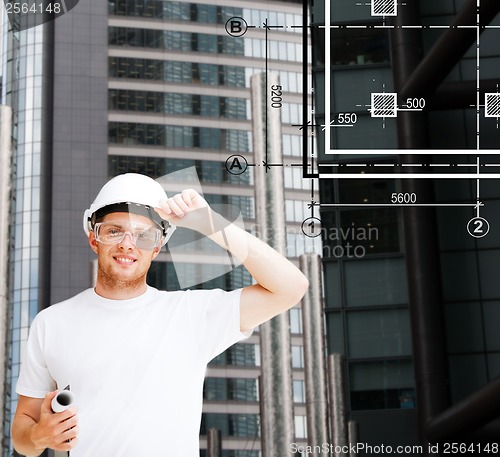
[314,353]
[338,403]
[214,443]
[5,183]
[353,432]
[277,422]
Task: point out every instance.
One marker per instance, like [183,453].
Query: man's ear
[156,251]
[93,241]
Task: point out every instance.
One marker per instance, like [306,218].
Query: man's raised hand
[187,209]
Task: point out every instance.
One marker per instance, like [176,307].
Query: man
[135,357]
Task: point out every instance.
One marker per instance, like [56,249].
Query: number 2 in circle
[478,227]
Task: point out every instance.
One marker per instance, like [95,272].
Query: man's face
[123,264]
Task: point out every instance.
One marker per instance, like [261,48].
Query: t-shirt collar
[130,303]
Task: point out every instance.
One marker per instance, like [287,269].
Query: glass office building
[374,308]
[150,87]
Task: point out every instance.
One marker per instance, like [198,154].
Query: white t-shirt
[136,366]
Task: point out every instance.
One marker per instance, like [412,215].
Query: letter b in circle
[236,26]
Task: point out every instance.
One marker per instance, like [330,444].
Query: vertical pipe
[338,404]
[406,48]
[421,244]
[46,167]
[314,353]
[263,440]
[328,76]
[353,433]
[277,399]
[214,443]
[5,181]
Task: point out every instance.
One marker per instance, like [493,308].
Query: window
[193,72]
[292,145]
[174,10]
[245,425]
[172,103]
[238,389]
[378,333]
[170,40]
[295,210]
[299,391]
[294,180]
[300,427]
[384,283]
[179,137]
[382,385]
[296,320]
[359,46]
[240,354]
[297,357]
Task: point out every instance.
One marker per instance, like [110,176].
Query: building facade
[152,87]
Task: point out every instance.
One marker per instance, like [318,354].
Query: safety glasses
[113,232]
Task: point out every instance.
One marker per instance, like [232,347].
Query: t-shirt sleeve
[34,377]
[216,317]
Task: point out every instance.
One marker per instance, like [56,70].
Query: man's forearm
[21,436]
[270,269]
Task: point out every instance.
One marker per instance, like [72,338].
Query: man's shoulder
[63,306]
[81,297]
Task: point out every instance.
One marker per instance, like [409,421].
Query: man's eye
[146,235]
[113,232]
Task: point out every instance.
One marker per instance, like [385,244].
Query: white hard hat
[132,193]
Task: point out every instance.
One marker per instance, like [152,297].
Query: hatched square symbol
[384,104]
[492,103]
[384,8]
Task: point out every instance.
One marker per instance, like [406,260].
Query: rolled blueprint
[62,401]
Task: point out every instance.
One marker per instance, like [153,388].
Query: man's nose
[128,240]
